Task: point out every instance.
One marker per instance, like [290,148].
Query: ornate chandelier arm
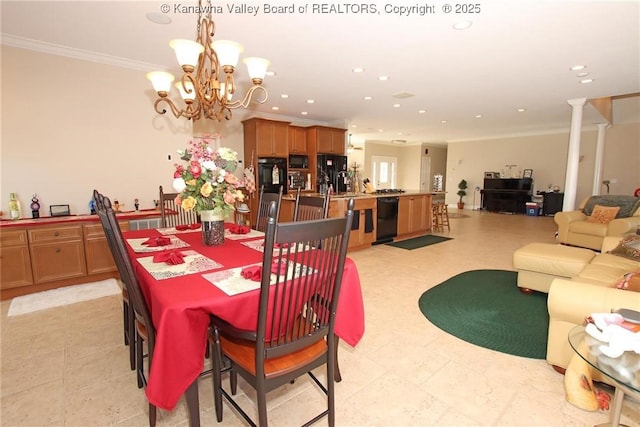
[244,103]
[189,112]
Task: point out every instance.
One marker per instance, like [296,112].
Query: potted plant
[462,186]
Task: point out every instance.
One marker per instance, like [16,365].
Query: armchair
[575,229]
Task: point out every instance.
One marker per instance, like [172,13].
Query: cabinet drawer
[96,230]
[52,234]
[13,238]
[57,261]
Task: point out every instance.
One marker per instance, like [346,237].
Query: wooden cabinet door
[272,139]
[328,140]
[96,247]
[297,140]
[416,213]
[15,267]
[404,216]
[58,260]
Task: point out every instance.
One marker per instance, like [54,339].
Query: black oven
[272,173]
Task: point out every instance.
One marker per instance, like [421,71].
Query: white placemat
[250,235]
[193,263]
[173,230]
[138,247]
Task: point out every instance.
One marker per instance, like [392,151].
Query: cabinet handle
[57,250]
[55,233]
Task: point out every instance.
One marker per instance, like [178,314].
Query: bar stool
[440,216]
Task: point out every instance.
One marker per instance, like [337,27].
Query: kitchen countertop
[48,220]
[360,195]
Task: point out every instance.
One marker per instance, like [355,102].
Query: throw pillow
[603,214]
[629,247]
[630,281]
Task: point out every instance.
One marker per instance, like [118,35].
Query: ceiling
[515,55]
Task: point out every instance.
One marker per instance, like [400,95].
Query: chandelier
[207,86]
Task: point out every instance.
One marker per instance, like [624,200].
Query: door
[384,172]
[425,175]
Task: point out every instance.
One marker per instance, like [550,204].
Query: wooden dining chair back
[294,332]
[263,208]
[172,214]
[145,331]
[308,208]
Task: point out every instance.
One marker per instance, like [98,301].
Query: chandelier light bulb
[187,52]
[187,92]
[257,68]
[228,52]
[161,81]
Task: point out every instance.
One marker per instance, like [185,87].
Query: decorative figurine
[35,206]
[136,203]
[116,205]
[92,207]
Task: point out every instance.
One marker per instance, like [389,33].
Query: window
[384,172]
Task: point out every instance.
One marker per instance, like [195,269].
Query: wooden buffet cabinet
[38,255]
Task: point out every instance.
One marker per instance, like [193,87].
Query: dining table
[181,296]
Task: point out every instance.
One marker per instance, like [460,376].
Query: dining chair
[307,208]
[263,208]
[172,214]
[293,333]
[144,329]
[128,319]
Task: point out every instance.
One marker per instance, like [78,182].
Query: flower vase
[212,228]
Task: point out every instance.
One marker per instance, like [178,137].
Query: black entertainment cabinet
[508,195]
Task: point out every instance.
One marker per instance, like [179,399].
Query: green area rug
[418,242]
[486,308]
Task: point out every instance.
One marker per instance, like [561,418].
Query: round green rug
[486,308]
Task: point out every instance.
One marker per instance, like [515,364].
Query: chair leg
[262,405]
[217,375]
[139,342]
[338,377]
[193,404]
[132,336]
[153,414]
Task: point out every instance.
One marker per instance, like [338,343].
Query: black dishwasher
[387,227]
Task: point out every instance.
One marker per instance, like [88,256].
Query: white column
[573,156]
[599,162]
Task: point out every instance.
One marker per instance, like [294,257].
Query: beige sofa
[591,291]
[575,230]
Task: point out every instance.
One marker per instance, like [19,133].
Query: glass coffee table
[623,371]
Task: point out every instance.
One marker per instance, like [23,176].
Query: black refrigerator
[332,172]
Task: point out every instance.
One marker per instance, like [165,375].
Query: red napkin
[239,229]
[183,227]
[281,245]
[281,268]
[171,257]
[157,241]
[253,272]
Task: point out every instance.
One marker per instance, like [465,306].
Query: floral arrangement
[207,181]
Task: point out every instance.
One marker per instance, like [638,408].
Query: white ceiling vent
[398,141]
[402,95]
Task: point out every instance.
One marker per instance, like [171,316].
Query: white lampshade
[183,93]
[161,80]
[187,51]
[228,52]
[223,86]
[257,67]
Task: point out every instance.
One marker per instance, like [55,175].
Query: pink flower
[231,178]
[229,198]
[195,169]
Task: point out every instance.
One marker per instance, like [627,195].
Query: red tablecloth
[180,309]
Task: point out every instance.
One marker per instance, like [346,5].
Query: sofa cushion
[628,204]
[605,275]
[603,214]
[616,261]
[589,228]
[629,247]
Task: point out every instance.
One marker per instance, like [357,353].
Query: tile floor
[68,366]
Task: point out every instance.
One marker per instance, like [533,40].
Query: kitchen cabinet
[361,236]
[326,140]
[15,261]
[57,253]
[96,248]
[266,138]
[297,140]
[414,214]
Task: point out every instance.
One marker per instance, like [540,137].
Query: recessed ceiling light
[462,25]
[310,101]
[521,110]
[578,67]
[396,105]
[367,98]
[584,74]
[275,108]
[270,73]
[354,126]
[585,81]
[304,113]
[383,78]
[478,116]
[159,18]
[284,96]
[358,70]
[422,111]
[380,130]
[444,122]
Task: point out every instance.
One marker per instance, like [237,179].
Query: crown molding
[69,52]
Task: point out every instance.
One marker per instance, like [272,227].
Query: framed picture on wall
[528,173]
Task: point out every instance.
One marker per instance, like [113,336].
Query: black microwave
[297,161]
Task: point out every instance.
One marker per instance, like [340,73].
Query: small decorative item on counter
[117,205]
[156,203]
[35,206]
[14,207]
[136,203]
[92,207]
